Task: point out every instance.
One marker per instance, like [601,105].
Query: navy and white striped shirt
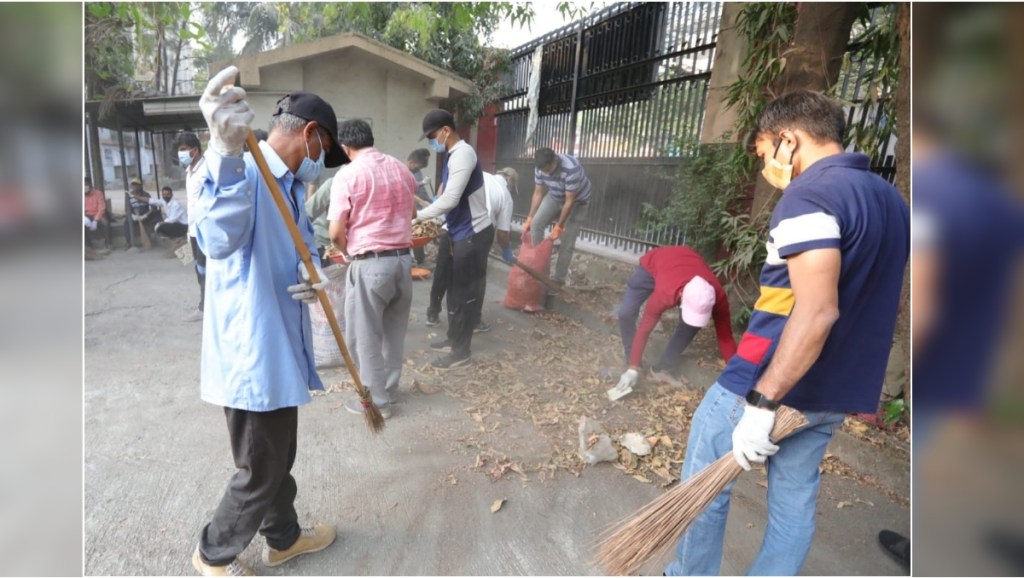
[836,203]
[567,177]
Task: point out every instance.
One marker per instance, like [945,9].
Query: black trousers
[200,270]
[171,230]
[261,495]
[442,273]
[467,281]
[102,233]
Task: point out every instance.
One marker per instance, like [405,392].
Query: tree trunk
[902,96]
[813,61]
[719,118]
[177,62]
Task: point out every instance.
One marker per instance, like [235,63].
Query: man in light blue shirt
[257,358]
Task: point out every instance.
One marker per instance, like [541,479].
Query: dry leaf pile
[551,377]
[426,229]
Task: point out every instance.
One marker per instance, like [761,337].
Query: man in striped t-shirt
[819,336]
[565,205]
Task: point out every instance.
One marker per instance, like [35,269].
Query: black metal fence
[619,90]
[624,90]
[867,92]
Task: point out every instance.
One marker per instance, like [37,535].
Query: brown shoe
[235,568]
[311,539]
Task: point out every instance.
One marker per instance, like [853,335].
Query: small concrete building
[360,78]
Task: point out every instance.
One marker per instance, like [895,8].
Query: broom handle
[304,254]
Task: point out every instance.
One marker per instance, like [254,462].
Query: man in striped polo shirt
[819,336]
[565,204]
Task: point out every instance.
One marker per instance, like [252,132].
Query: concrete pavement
[406,502]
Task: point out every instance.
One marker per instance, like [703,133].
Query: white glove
[628,379]
[750,442]
[305,291]
[135,217]
[226,113]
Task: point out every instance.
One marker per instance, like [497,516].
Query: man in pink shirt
[670,278]
[370,214]
[95,211]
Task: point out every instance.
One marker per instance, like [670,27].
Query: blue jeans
[792,490]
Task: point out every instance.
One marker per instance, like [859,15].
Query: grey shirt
[316,208]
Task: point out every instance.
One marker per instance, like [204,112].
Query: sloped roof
[443,84]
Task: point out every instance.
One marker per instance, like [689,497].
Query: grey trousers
[378,297]
[547,213]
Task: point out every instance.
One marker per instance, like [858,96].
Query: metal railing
[619,90]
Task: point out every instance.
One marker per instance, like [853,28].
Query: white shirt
[173,211]
[499,201]
[194,176]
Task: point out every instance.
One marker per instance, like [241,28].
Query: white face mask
[185,158]
[776,173]
[309,169]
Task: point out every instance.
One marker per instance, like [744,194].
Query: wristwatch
[758,399]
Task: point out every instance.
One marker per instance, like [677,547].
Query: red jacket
[672,268]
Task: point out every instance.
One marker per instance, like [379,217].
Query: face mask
[87,189]
[436,145]
[309,170]
[777,174]
[185,158]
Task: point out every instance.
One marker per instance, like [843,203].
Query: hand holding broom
[227,113]
[627,548]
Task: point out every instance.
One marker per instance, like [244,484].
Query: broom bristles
[374,418]
[626,548]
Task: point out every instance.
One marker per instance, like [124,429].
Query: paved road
[157,460]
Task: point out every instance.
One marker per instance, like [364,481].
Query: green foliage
[445,34]
[743,242]
[124,40]
[894,411]
[766,27]
[878,49]
[709,201]
[708,185]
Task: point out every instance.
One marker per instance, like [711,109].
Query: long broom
[374,419]
[625,549]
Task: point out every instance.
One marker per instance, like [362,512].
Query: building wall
[111,157]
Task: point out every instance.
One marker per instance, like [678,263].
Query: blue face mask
[438,147]
[309,170]
[184,158]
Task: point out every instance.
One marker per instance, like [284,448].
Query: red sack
[525,292]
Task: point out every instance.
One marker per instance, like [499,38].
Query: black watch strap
[757,399]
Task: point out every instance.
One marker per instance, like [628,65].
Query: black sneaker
[896,546]
[481,328]
[433,320]
[443,346]
[449,361]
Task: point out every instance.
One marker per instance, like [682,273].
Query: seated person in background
[175,221]
[95,214]
[139,210]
